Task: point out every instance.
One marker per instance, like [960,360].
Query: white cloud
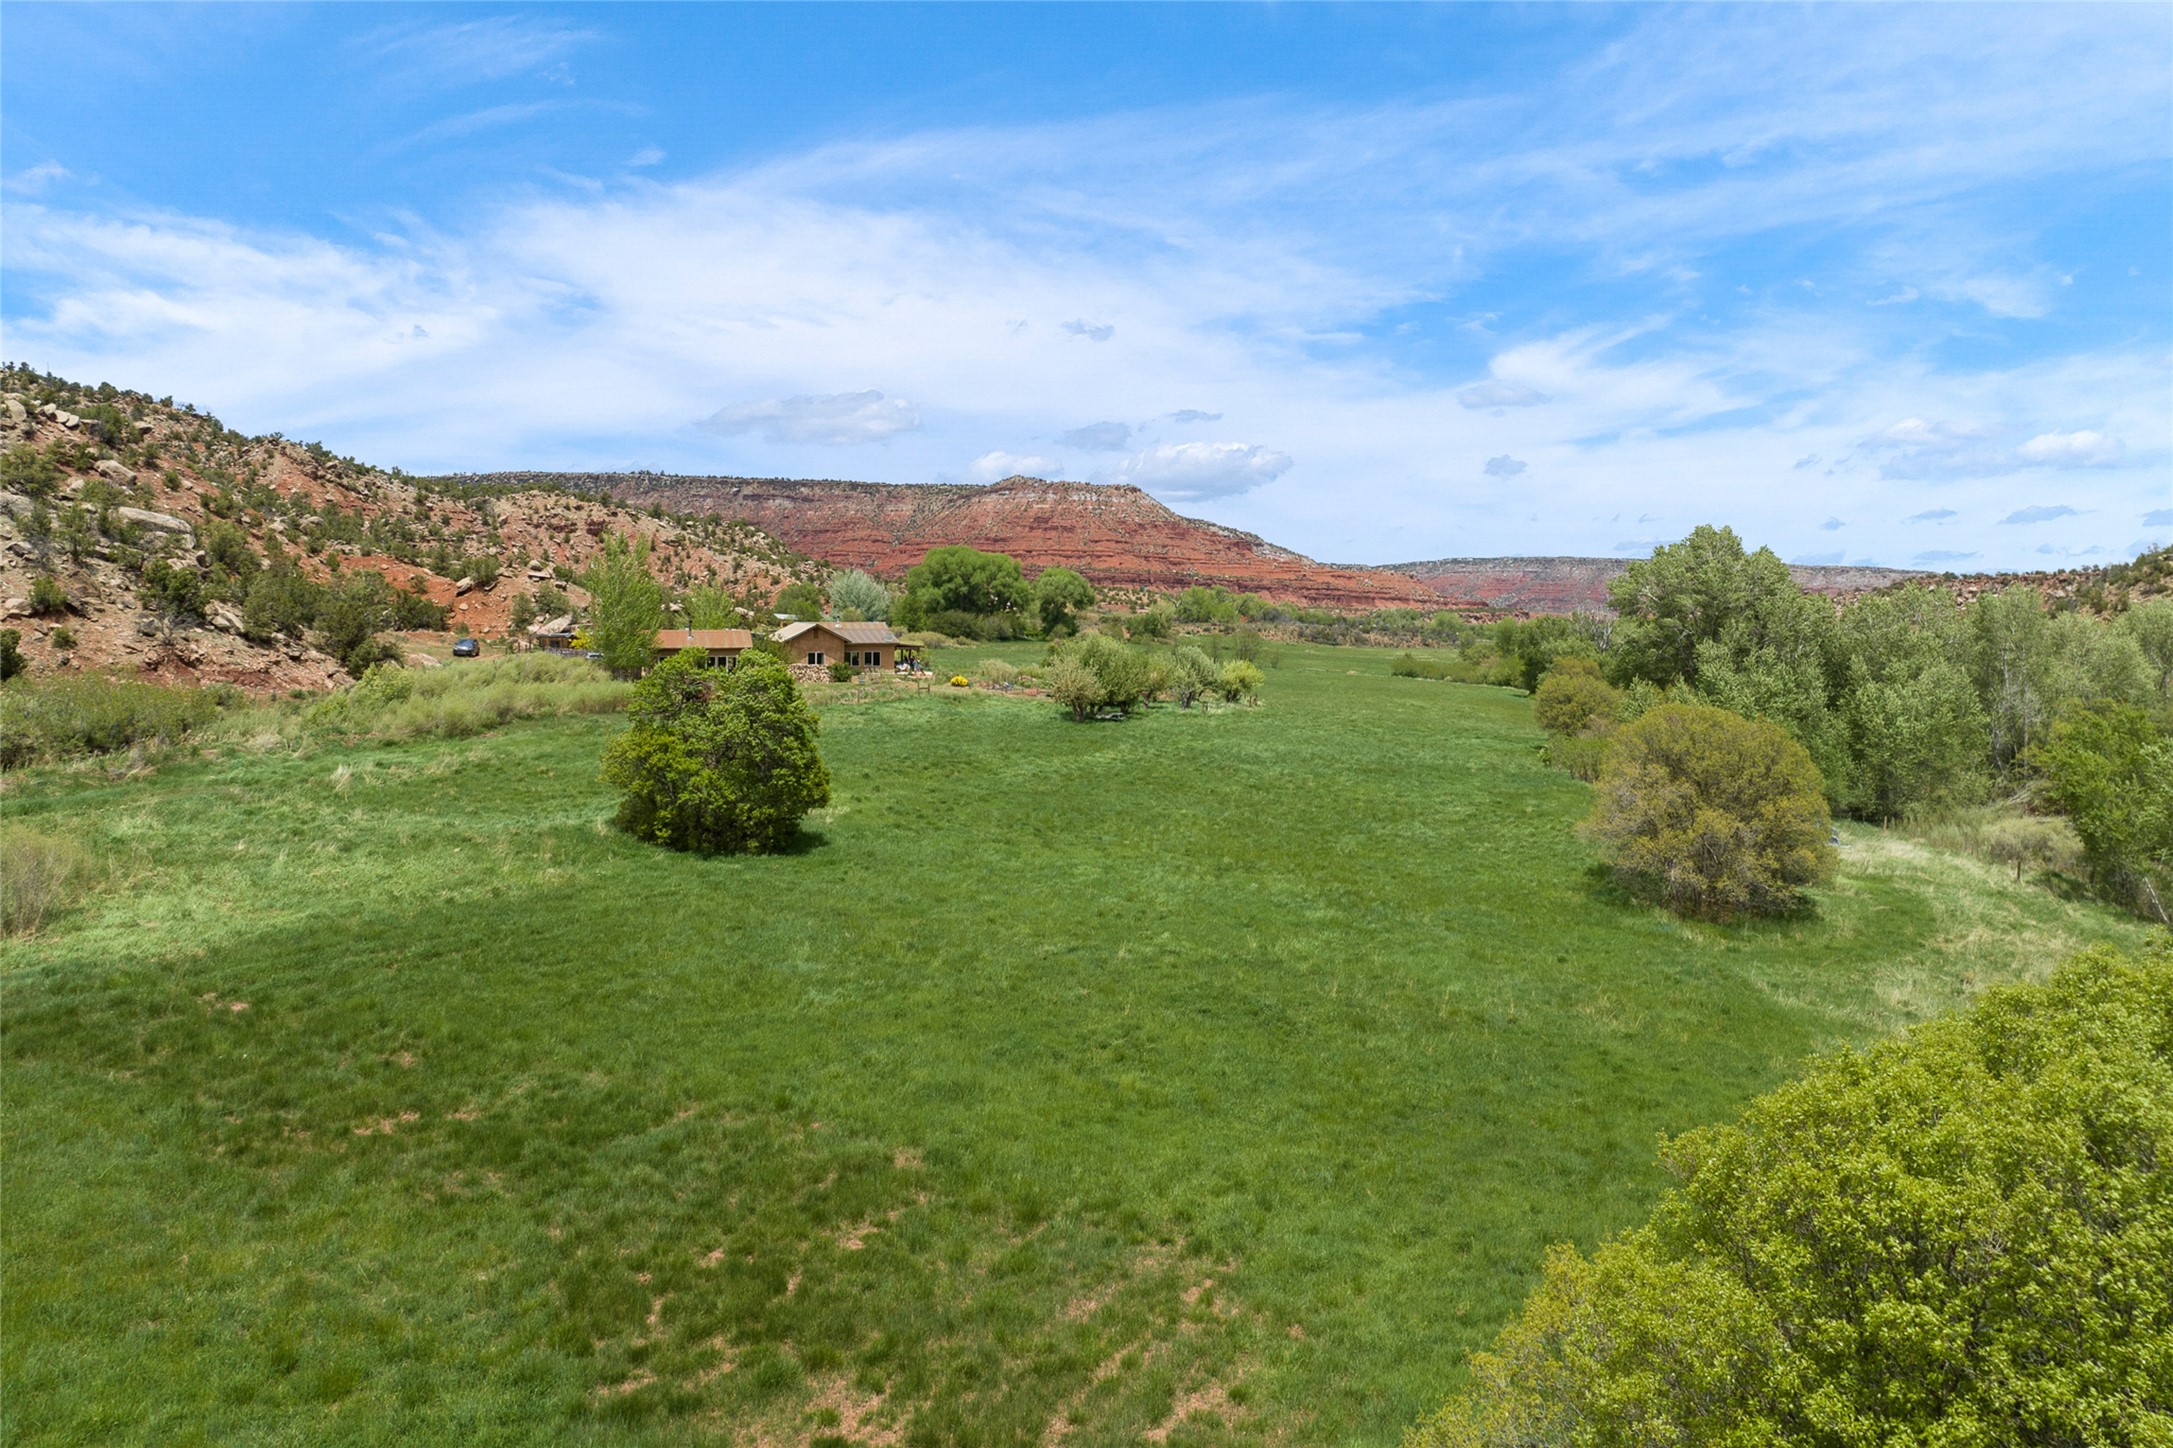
[2074,449]
[1495,392]
[833,419]
[993,467]
[1203,469]
[2042,513]
[646,156]
[1504,466]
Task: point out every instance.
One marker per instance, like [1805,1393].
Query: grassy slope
[528,1131]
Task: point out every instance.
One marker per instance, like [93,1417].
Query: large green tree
[1959,1239]
[858,596]
[1701,591]
[626,606]
[1059,594]
[717,760]
[959,579]
[2109,768]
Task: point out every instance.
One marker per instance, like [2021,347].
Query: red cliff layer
[1117,536]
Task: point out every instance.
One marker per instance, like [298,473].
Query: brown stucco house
[722,646]
[859,645]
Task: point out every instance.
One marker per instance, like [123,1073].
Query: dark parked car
[466,648]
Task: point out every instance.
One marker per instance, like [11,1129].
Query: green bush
[716,760]
[46,594]
[1716,814]
[1962,1238]
[1241,681]
[841,672]
[66,716]
[11,658]
[1573,699]
[1093,674]
[62,638]
[39,875]
[23,469]
[2110,769]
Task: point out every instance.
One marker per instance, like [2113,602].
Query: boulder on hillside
[423,661]
[114,472]
[463,586]
[223,618]
[158,522]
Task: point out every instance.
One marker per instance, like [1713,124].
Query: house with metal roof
[721,646]
[857,645]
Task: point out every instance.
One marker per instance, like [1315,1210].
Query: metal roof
[704,638]
[852,633]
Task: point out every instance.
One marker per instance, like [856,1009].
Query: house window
[815,657]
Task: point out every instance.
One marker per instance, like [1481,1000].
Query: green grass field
[1211,1077]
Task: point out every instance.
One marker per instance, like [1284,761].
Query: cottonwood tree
[858,596]
[626,606]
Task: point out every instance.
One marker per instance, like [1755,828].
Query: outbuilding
[857,645]
[721,646]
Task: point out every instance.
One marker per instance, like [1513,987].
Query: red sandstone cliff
[1117,536]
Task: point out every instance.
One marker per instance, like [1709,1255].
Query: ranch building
[858,645]
[721,646]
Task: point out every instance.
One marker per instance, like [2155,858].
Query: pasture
[1213,1077]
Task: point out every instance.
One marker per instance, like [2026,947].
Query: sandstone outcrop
[1118,536]
[1568,585]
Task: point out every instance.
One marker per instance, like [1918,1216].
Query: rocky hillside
[139,534]
[1119,537]
[1566,585]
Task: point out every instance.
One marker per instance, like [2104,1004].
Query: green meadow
[1219,1076]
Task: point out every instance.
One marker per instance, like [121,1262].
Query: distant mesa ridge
[1565,585]
[1115,534]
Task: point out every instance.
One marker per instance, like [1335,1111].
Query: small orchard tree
[1718,815]
[1093,674]
[626,606]
[1240,682]
[1192,674]
[716,761]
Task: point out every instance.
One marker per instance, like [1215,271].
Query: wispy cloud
[839,418]
[1504,466]
[32,180]
[1098,437]
[2044,513]
[470,51]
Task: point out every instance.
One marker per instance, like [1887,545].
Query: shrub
[1093,674]
[46,594]
[62,638]
[69,715]
[999,674]
[841,672]
[175,594]
[1962,1237]
[39,875]
[1241,681]
[11,658]
[1719,815]
[1582,755]
[23,469]
[1411,666]
[1573,698]
[960,681]
[715,760]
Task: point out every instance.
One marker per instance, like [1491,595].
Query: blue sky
[1885,284]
